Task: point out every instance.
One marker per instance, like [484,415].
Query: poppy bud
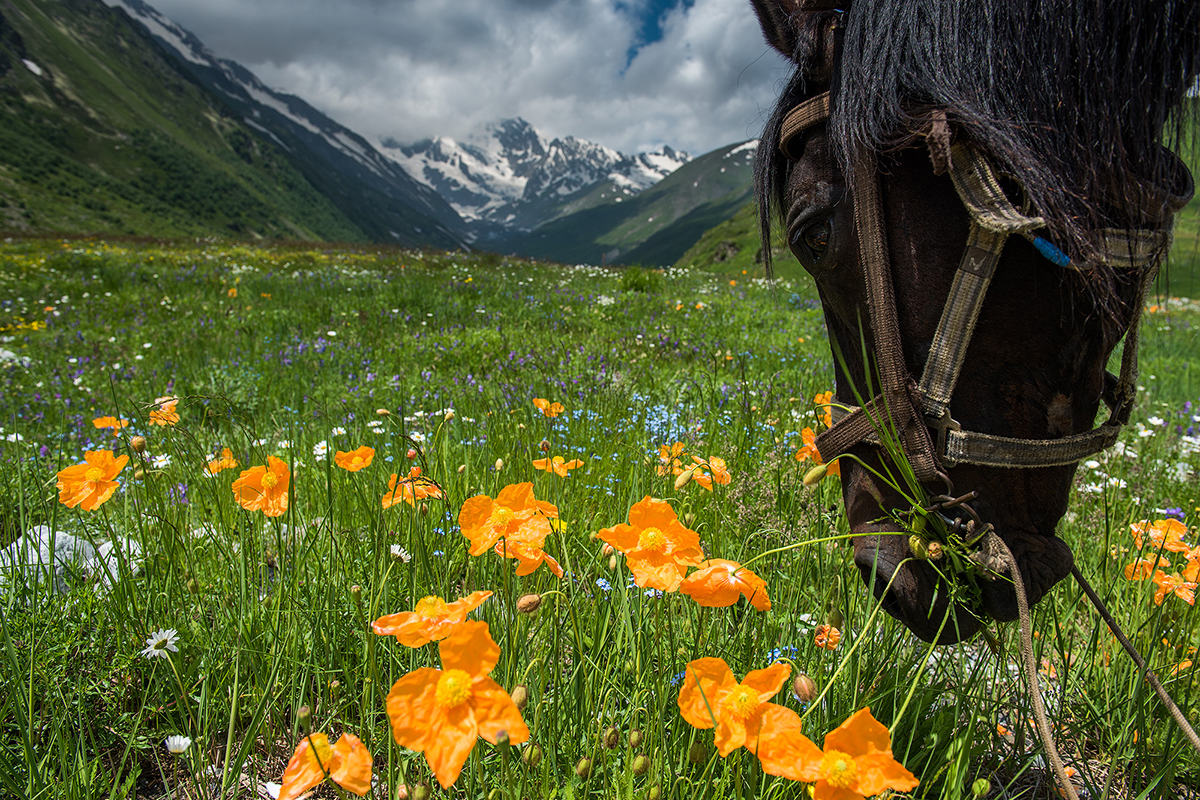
[304,718]
[520,696]
[584,768]
[499,464]
[424,509]
[544,446]
[422,792]
[383,412]
[804,688]
[655,793]
[520,426]
[612,562]
[814,475]
[462,468]
[529,603]
[356,593]
[935,551]
[402,792]
[919,546]
[139,473]
[635,738]
[138,443]
[684,478]
[607,550]
[641,765]
[449,415]
[981,787]
[611,737]
[532,755]
[411,454]
[502,738]
[335,688]
[689,519]
[192,586]
[697,753]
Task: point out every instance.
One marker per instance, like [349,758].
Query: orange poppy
[809,450]
[711,471]
[226,461]
[110,422]
[1173,584]
[348,763]
[557,465]
[547,408]
[857,760]
[529,556]
[264,489]
[657,546]
[91,483]
[719,583]
[433,619]
[671,459]
[824,401]
[165,413]
[1145,568]
[1165,534]
[441,712]
[827,637]
[411,489]
[514,514]
[355,459]
[711,697]
[1191,572]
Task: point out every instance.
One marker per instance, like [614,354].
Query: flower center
[742,702]
[840,770]
[94,474]
[430,606]
[356,461]
[502,518]
[453,689]
[652,539]
[269,480]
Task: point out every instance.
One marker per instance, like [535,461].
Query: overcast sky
[630,74]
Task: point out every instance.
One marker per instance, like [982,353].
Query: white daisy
[178,744]
[160,642]
[339,431]
[400,554]
[161,461]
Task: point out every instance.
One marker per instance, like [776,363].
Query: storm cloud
[630,74]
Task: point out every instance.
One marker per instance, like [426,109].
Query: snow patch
[32,67]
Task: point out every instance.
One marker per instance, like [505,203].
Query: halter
[919,412]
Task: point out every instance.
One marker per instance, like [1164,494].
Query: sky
[630,74]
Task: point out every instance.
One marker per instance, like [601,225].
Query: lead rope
[1041,721]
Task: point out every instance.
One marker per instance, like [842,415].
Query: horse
[981,192]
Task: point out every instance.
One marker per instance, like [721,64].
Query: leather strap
[812,111]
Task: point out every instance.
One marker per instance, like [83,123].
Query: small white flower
[161,461]
[259,442]
[1157,422]
[400,554]
[178,744]
[339,431]
[417,437]
[375,424]
[285,444]
[160,642]
[1093,464]
[14,437]
[320,450]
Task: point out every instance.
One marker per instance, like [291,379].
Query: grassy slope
[114,137]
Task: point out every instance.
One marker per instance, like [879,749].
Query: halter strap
[812,111]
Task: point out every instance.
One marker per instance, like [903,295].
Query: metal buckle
[943,425]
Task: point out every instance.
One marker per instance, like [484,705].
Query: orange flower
[264,489]
[355,459]
[670,459]
[91,483]
[348,762]
[824,401]
[410,489]
[165,413]
[719,583]
[441,712]
[657,547]
[432,620]
[515,514]
[226,461]
[548,408]
[827,637]
[110,422]
[1173,584]
[1145,568]
[557,465]
[857,761]
[709,472]
[711,697]
[809,450]
[1165,534]
[529,555]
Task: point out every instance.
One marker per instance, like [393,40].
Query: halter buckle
[943,424]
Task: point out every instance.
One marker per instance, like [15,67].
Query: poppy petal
[307,766]
[859,735]
[703,681]
[411,705]
[471,649]
[495,711]
[353,768]
[878,771]
[450,744]
[767,681]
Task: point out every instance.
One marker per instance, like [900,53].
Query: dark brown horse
[980,191]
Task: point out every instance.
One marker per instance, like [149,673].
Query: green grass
[276,350]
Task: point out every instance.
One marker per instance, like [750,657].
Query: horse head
[980,193]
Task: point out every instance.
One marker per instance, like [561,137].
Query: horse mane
[1072,98]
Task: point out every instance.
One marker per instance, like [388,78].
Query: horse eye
[811,243]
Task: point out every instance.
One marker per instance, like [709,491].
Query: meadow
[201,601]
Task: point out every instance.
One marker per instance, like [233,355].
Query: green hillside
[100,133]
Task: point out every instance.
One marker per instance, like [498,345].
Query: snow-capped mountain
[510,175]
[369,187]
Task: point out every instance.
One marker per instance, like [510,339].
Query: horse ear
[780,20]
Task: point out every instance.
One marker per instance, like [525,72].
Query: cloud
[412,69]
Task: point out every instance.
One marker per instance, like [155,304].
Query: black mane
[1072,97]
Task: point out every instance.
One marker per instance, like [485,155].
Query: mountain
[610,224]
[508,176]
[367,187]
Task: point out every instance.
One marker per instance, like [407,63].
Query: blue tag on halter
[1051,251]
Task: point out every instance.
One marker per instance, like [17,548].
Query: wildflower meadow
[412,524]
